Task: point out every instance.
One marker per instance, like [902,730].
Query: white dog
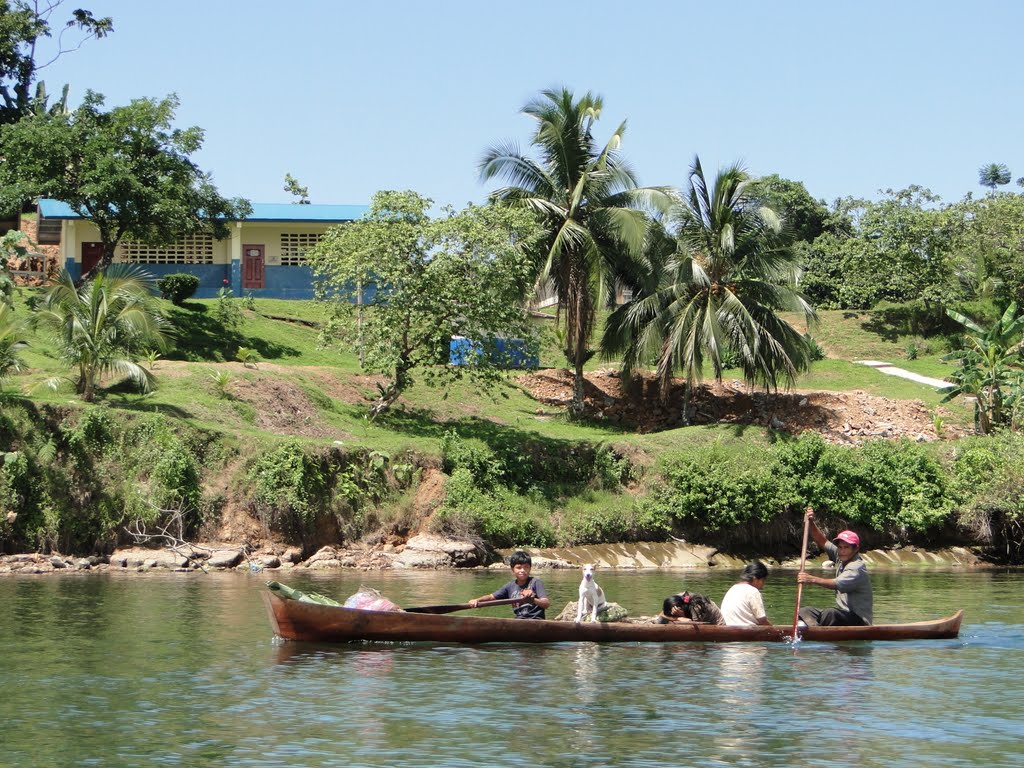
[591,596]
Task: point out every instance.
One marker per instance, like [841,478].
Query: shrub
[501,517]
[288,487]
[177,287]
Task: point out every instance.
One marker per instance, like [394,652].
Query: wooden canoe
[299,620]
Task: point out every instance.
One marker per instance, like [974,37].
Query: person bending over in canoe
[854,600]
[742,605]
[524,586]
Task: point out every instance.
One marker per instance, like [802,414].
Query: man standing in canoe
[530,589]
[854,599]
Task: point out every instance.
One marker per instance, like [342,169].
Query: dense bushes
[754,496]
[177,287]
[508,495]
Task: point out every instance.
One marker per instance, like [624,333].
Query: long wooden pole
[800,585]
[465,606]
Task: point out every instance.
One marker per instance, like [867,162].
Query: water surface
[153,670]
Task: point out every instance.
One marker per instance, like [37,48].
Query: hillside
[240,414]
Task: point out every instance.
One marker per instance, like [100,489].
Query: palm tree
[590,207]
[11,341]
[993,175]
[718,294]
[103,326]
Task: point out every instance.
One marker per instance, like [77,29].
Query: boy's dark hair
[519,558]
[754,570]
[673,601]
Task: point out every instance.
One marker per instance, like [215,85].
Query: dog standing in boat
[591,596]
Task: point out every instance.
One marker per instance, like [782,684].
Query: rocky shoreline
[427,552]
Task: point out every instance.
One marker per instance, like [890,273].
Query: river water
[182,669]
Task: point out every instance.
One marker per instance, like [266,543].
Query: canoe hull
[297,620]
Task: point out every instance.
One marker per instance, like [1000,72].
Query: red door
[91,255]
[252,266]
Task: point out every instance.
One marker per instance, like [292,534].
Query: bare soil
[840,417]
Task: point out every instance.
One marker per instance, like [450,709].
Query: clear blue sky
[350,98]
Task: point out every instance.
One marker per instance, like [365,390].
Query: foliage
[994,175]
[987,474]
[501,517]
[485,469]
[989,250]
[991,370]
[12,341]
[288,487]
[221,380]
[24,26]
[177,287]
[292,187]
[900,249]
[104,326]
[401,286]
[887,486]
[104,165]
[804,217]
[590,209]
[166,470]
[721,291]
[248,357]
[226,310]
[13,245]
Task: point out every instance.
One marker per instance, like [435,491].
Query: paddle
[800,586]
[464,606]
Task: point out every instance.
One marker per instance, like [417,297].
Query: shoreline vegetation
[276,456]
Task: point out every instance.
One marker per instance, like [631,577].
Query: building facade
[264,256]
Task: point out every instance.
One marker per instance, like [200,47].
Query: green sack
[612,612]
[293,594]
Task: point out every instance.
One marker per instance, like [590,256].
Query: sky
[351,98]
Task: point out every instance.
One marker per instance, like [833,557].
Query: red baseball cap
[849,537]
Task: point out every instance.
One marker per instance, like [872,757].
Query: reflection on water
[183,671]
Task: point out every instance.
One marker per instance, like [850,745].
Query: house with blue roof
[263,257]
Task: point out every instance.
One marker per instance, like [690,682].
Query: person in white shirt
[742,605]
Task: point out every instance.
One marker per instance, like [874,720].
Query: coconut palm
[105,325]
[718,296]
[993,175]
[588,203]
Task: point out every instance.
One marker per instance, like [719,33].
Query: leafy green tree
[990,368]
[901,248]
[126,170]
[804,217]
[422,281]
[720,293]
[104,326]
[591,210]
[994,175]
[989,248]
[24,26]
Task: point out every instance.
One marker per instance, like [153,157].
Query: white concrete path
[892,370]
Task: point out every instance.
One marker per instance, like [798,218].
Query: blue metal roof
[293,212]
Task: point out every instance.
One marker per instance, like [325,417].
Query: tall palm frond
[102,326]
[589,204]
[716,298]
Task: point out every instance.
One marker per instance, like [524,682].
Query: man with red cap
[852,584]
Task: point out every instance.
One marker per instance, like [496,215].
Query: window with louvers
[294,246]
[192,249]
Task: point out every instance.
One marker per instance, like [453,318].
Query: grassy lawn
[201,382]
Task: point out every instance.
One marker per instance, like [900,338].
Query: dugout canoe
[300,620]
